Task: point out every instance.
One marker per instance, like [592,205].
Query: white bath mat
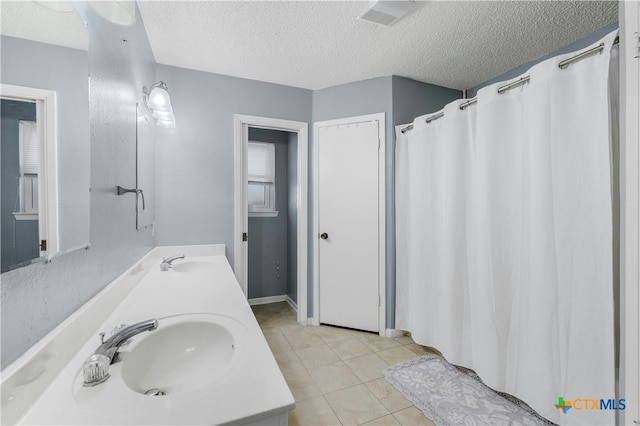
[450,395]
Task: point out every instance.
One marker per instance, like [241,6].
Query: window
[28,140]
[261,192]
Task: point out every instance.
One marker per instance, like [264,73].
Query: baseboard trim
[392,332]
[269,299]
[291,303]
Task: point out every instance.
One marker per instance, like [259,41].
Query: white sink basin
[193,266]
[189,356]
[187,353]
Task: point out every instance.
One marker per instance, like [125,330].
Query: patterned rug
[450,395]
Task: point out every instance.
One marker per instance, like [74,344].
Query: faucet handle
[95,370]
[102,336]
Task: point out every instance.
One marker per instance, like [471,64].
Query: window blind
[260,162]
[28,136]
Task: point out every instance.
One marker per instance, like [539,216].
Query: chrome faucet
[96,369]
[166,263]
[110,347]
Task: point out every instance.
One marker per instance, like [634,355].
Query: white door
[348,224]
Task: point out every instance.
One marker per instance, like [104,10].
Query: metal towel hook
[122,190]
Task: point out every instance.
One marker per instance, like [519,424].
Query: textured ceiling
[316,44]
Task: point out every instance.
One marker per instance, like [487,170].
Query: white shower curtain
[504,236]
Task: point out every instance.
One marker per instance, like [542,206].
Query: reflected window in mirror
[28,141]
[29,180]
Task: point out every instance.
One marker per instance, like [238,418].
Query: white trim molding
[241,125]
[25,216]
[629,372]
[266,300]
[48,158]
[291,303]
[392,332]
[264,214]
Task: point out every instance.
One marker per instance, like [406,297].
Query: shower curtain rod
[522,80]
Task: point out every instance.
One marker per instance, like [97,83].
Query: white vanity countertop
[254,390]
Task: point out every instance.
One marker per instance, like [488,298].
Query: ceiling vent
[386,12]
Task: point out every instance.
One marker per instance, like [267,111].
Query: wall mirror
[45,176]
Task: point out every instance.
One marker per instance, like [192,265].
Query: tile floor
[335,374]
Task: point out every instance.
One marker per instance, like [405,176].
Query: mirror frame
[46,120]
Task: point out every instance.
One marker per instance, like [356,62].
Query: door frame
[241,124]
[382,284]
[46,118]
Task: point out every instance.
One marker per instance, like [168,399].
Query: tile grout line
[357,336]
[362,382]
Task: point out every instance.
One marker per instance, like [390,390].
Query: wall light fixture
[158,102]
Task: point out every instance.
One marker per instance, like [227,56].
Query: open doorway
[273,213]
[270,253]
[29,176]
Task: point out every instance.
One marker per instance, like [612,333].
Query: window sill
[263,214]
[25,216]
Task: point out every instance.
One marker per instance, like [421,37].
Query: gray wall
[268,236]
[412,99]
[19,237]
[37,298]
[194,163]
[401,100]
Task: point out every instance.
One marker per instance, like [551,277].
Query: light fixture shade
[120,12]
[159,100]
[162,115]
[167,124]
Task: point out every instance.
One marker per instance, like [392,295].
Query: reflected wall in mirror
[46,50]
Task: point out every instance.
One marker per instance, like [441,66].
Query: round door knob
[324,236]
